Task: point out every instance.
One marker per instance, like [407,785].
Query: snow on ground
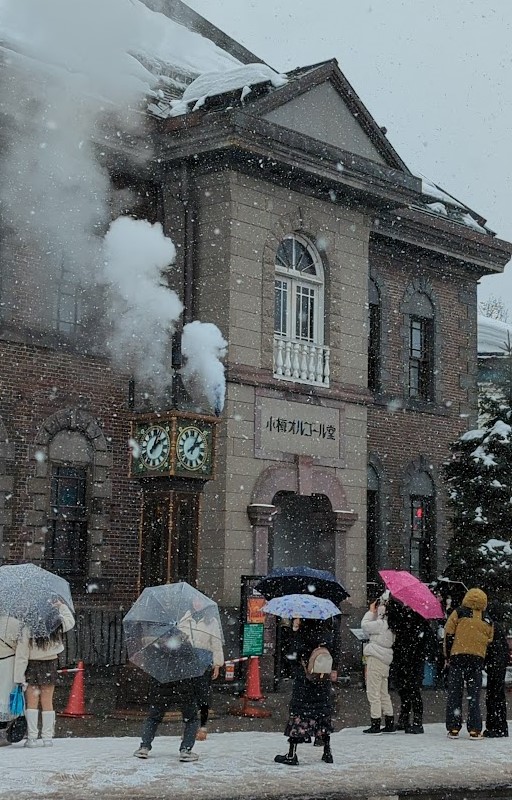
[241,765]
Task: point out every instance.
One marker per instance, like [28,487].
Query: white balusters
[303,362]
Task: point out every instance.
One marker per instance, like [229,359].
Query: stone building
[346,288]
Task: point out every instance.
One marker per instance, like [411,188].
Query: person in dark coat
[161,697]
[496,661]
[312,704]
[412,640]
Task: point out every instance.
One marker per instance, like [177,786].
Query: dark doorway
[303,532]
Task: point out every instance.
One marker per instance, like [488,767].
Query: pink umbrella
[412,593]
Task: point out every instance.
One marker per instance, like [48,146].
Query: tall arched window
[421,348]
[374,336]
[422,527]
[70,457]
[299,353]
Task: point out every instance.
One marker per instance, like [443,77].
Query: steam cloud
[67,66]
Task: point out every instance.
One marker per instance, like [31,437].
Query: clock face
[155,447]
[192,448]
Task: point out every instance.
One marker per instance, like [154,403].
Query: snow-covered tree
[479,483]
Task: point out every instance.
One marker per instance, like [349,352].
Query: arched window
[374,336]
[422,527]
[299,312]
[421,347]
[70,456]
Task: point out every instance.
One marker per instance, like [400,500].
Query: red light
[418,513]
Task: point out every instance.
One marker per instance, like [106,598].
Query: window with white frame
[299,291]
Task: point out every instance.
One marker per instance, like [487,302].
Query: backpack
[319,666]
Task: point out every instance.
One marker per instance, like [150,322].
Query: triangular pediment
[321,104]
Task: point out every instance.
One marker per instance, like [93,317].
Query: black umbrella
[302,580]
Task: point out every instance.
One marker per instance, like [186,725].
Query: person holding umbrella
[312,704]
[165,640]
[379,655]
[200,626]
[36,669]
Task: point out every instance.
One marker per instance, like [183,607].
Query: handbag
[16,730]
[17,702]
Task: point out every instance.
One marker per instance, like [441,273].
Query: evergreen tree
[479,483]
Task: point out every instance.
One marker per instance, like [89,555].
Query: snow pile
[494,336]
[211,84]
[446,206]
[242,764]
[487,459]
[500,430]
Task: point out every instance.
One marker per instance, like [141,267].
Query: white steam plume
[66,63]
[143,311]
[203,346]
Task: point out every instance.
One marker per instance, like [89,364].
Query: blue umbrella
[305,606]
[302,580]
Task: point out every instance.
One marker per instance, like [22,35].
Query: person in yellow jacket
[467,633]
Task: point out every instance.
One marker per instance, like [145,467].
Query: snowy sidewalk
[241,765]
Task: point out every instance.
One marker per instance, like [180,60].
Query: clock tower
[173,455]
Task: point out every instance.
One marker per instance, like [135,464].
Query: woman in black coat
[412,639]
[312,704]
[496,661]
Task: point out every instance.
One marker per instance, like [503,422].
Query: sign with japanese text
[298,428]
[253,639]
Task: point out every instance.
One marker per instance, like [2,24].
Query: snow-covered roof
[211,84]
[494,336]
[440,203]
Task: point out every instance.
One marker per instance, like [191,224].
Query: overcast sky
[436,73]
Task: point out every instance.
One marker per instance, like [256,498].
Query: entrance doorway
[303,535]
[169,535]
[303,532]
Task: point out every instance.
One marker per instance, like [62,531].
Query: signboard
[286,427]
[253,639]
[254,612]
[250,612]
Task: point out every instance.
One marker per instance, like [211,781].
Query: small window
[67,526]
[422,537]
[69,304]
[421,361]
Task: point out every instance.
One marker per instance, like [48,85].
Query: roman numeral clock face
[155,447]
[192,448]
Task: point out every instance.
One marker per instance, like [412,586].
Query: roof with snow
[494,337]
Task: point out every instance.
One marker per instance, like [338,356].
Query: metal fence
[97,639]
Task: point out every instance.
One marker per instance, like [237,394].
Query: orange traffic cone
[252,692]
[76,702]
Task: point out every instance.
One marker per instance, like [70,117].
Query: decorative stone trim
[301,478]
[6,488]
[100,487]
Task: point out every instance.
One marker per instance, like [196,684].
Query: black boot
[290,758]
[389,725]
[416,727]
[403,722]
[374,727]
[327,754]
